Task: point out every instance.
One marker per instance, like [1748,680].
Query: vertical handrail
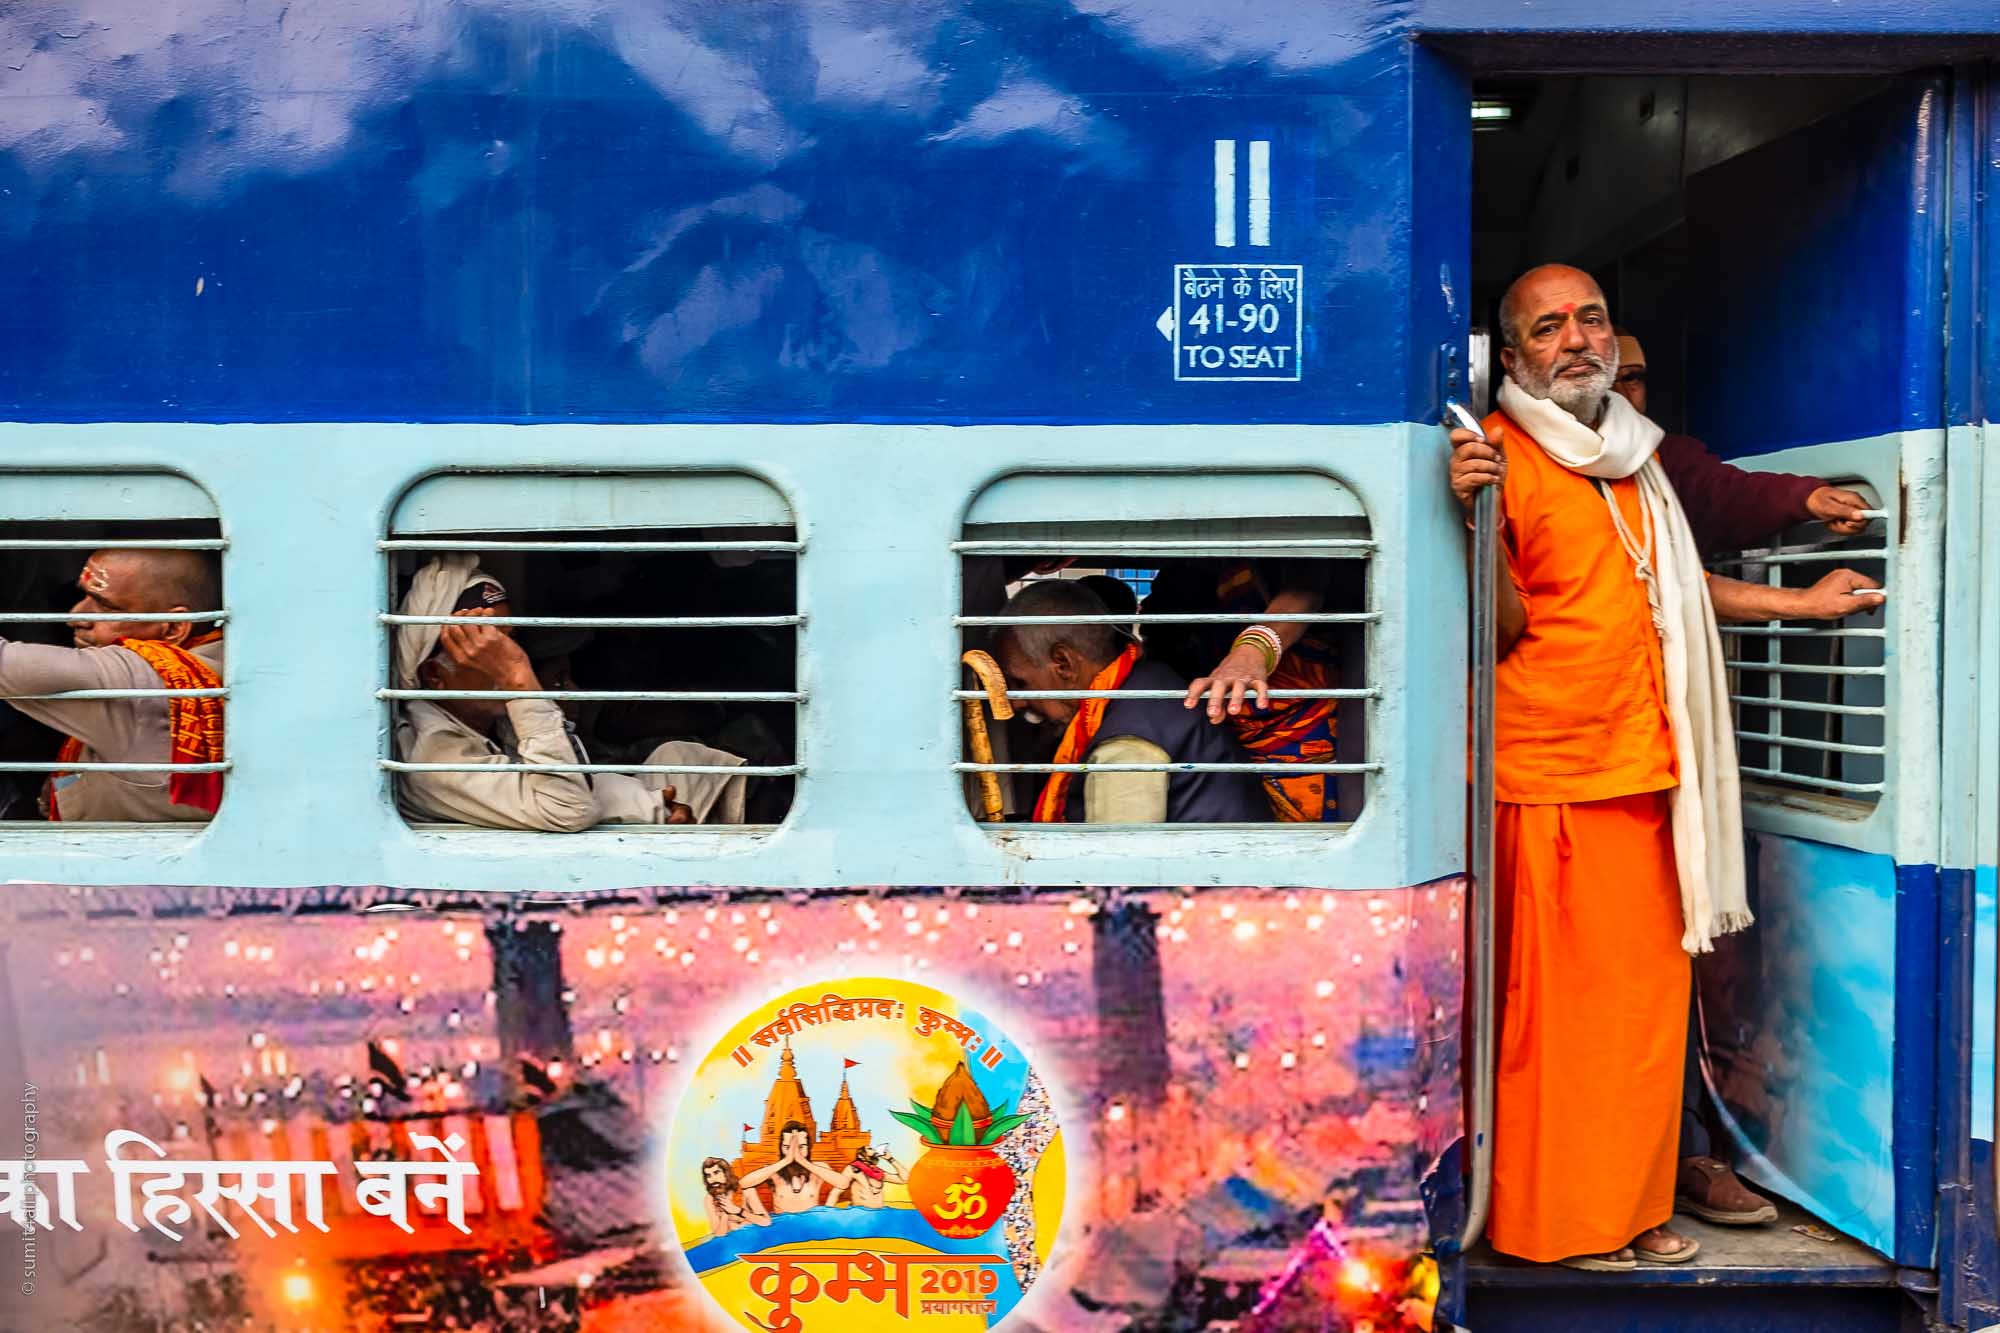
[1479,863]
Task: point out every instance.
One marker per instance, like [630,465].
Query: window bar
[446,546]
[142,617]
[1165,546]
[631,696]
[1807,669]
[1179,618]
[1751,631]
[601,622]
[1354,693]
[1812,743]
[219,692]
[79,766]
[737,770]
[1811,553]
[1831,783]
[1275,769]
[113,544]
[1807,706]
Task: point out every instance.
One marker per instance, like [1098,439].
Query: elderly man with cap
[533,732]
[128,654]
[1117,731]
[1727,507]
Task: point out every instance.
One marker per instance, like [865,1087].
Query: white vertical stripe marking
[1225,192]
[1260,192]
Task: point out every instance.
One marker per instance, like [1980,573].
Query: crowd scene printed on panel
[1199,1111]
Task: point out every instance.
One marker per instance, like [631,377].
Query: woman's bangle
[1266,641]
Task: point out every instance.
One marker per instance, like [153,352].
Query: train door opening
[1774,248]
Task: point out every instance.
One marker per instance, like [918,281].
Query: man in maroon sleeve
[1729,509]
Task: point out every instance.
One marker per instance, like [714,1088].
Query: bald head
[128,582]
[1533,288]
[1558,341]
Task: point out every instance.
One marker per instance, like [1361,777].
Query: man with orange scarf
[1138,730]
[173,654]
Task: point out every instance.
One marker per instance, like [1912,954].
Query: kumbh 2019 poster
[374,1110]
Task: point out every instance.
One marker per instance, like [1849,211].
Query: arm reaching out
[1841,593]
[1244,670]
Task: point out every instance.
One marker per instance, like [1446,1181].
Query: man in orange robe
[1596,909]
[128,654]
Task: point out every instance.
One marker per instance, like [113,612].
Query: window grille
[681,542]
[1200,523]
[1812,699]
[50,524]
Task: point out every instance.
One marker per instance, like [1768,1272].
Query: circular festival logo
[866,1154]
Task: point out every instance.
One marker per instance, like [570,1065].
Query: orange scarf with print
[194,726]
[1053,807]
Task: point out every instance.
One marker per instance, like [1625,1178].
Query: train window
[1093,627]
[1811,700]
[567,651]
[111,649]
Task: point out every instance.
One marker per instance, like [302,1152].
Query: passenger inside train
[1098,656]
[550,796]
[626,695]
[180,652]
[1221,630]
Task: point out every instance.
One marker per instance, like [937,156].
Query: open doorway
[1769,241]
[1594,171]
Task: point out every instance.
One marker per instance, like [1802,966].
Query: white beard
[1583,398]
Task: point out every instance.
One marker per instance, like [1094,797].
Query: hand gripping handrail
[1479,859]
[994,683]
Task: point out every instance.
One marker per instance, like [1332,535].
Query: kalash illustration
[889,1212]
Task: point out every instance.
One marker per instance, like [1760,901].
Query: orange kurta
[1593,982]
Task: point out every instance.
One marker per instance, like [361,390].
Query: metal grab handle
[1479,859]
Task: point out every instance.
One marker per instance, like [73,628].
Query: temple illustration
[835,1145]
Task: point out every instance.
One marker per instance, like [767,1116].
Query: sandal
[1617,1261]
[1686,1250]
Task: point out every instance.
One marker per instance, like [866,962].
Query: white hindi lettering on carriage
[150,1188]
[1236,321]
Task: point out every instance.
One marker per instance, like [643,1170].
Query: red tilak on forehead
[1569,309]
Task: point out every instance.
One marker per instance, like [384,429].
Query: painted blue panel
[660,211]
[1820,251]
[1800,1014]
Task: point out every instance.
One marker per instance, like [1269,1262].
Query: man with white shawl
[478,656]
[1619,841]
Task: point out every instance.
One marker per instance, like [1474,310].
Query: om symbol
[965,1200]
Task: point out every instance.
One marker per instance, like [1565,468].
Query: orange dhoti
[1593,1025]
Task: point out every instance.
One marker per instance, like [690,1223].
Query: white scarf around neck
[1708,803]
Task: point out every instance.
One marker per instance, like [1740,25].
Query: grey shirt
[113,731]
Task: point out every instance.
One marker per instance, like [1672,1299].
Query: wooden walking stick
[995,684]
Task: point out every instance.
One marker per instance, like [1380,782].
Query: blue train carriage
[747,348]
